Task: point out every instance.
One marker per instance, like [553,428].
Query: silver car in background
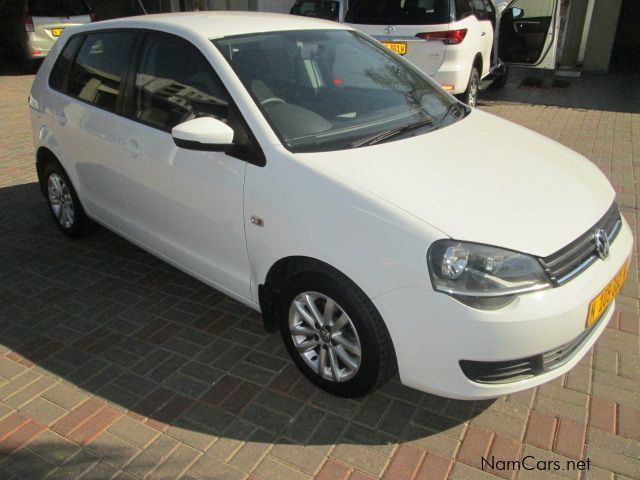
[29,28]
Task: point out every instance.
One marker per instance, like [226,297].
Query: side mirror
[517,12]
[204,133]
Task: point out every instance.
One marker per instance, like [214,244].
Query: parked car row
[29,28]
[453,41]
[456,42]
[307,171]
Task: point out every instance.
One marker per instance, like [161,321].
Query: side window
[478,9]
[60,70]
[491,11]
[175,83]
[463,9]
[99,68]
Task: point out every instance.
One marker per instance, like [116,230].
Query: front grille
[571,260]
[522,368]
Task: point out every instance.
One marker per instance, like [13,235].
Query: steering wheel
[272,100]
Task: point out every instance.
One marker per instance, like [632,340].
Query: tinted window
[171,92]
[344,87]
[99,67]
[326,10]
[60,70]
[478,9]
[58,8]
[399,12]
[463,9]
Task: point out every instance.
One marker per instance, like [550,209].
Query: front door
[186,205]
[529,33]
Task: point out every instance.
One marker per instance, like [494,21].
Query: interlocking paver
[43,411]
[159,374]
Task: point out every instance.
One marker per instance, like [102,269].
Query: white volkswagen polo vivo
[310,173]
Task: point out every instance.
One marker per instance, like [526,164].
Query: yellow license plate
[56,32]
[400,48]
[599,304]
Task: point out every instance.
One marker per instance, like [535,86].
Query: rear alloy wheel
[60,201]
[63,202]
[470,96]
[334,334]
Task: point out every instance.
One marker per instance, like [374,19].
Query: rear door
[399,24]
[51,17]
[528,33]
[95,89]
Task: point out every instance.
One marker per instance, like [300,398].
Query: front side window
[97,73]
[175,83]
[340,88]
[399,12]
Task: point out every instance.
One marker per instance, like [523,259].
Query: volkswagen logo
[389,29]
[602,243]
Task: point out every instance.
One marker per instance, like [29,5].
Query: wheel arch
[478,62]
[44,157]
[279,273]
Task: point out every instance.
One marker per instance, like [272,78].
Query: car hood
[482,179]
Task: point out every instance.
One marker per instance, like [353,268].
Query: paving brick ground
[115,365]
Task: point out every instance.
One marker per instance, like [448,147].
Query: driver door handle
[483,34]
[132,147]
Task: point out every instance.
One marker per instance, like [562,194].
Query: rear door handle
[132,147]
[60,117]
[483,34]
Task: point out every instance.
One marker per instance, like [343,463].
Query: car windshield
[333,89]
[399,12]
[58,8]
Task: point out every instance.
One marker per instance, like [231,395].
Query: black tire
[500,78]
[377,359]
[470,96]
[73,226]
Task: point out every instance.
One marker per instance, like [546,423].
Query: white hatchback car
[307,171]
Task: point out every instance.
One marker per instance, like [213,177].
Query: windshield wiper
[380,137]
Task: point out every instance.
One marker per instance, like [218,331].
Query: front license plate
[400,48]
[599,304]
[56,32]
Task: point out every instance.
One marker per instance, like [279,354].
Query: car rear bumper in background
[433,333]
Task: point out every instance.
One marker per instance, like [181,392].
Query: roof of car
[217,24]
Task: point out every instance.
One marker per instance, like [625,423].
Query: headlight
[483,276]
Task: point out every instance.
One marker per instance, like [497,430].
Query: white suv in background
[450,40]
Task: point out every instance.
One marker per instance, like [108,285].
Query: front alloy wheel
[325,336]
[334,333]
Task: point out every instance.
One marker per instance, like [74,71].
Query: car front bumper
[433,332]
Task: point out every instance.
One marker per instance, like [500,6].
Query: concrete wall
[602,34]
